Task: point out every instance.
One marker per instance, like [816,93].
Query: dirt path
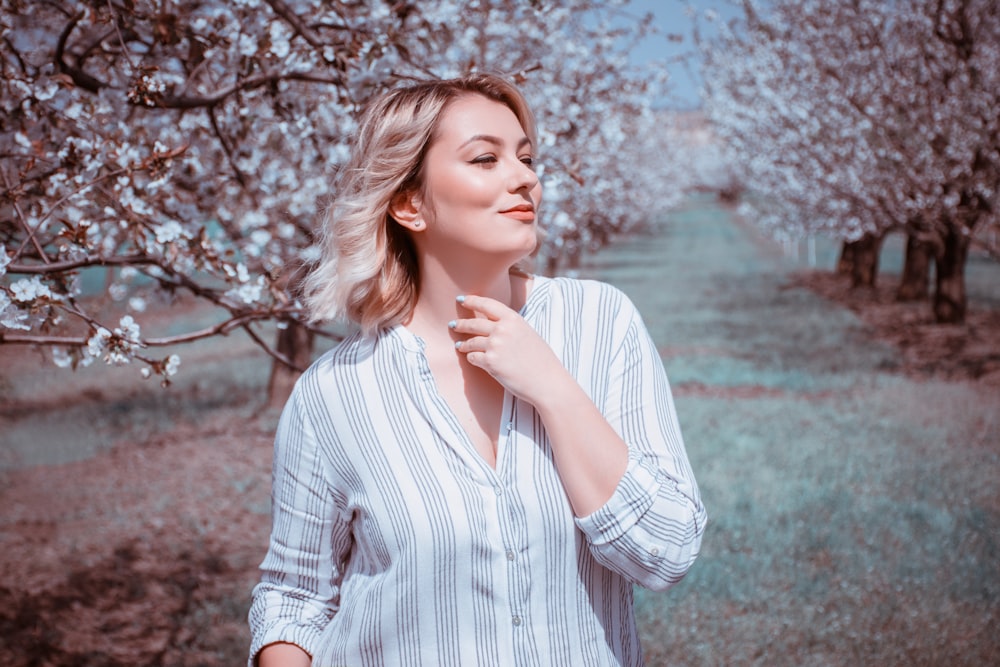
[855,518]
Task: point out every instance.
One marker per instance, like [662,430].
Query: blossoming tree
[858,118]
[184,147]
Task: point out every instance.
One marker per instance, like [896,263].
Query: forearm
[283,655]
[589,455]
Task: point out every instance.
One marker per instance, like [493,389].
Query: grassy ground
[855,513]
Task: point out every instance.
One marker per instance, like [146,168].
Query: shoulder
[344,366]
[586,296]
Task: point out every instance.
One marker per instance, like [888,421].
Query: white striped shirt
[395,543]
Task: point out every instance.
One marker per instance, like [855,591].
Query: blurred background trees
[186,146]
[157,152]
[864,117]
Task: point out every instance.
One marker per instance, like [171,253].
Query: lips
[524,212]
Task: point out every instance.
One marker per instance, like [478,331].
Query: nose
[523,178]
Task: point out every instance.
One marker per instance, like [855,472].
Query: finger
[484,305]
[476,326]
[477,359]
[474,344]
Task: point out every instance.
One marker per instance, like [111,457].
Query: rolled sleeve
[631,499]
[648,531]
[298,593]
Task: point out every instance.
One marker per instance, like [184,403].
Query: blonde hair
[368,270]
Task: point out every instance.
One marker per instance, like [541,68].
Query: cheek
[464,190]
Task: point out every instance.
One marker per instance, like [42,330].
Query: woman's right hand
[282,654]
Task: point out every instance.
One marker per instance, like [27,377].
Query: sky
[670,17]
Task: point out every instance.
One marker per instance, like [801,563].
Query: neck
[439,285]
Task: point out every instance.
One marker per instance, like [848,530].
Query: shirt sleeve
[650,530]
[299,589]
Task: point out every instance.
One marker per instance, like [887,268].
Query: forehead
[473,115]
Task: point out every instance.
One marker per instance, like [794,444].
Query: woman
[480,474]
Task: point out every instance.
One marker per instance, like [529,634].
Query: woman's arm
[624,467]
[299,590]
[283,655]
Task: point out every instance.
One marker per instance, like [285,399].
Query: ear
[405,209]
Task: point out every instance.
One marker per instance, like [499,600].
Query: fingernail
[460,298]
[452,324]
[458,345]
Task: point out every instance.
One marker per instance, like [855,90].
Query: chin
[529,248]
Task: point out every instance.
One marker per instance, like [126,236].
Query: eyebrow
[496,141]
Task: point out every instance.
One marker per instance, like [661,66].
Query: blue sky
[670,18]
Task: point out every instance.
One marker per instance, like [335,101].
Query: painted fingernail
[452,324]
[460,298]
[458,345]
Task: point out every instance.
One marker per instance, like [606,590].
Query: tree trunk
[575,258]
[914,284]
[949,294]
[859,259]
[551,264]
[296,343]
[845,263]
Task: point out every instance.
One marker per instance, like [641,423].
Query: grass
[855,517]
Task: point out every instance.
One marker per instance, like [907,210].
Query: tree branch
[285,12]
[278,356]
[83,262]
[250,83]
[79,77]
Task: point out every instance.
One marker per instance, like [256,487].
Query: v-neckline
[416,345]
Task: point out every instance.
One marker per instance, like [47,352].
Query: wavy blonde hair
[368,271]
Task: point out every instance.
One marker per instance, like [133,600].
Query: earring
[417,223]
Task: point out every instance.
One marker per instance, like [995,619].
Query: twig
[274,353]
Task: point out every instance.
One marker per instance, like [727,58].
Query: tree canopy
[186,146]
[862,117]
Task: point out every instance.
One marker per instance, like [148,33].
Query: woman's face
[480,192]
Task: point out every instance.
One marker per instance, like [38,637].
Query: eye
[528,161]
[484,160]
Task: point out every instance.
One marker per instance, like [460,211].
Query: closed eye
[484,160]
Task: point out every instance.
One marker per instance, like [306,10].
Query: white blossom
[249,293]
[172,365]
[97,343]
[168,232]
[28,289]
[61,357]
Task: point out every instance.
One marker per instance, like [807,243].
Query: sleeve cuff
[634,495]
[303,636]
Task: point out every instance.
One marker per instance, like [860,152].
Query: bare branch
[83,262]
[286,12]
[30,233]
[79,77]
[249,83]
[9,338]
[278,356]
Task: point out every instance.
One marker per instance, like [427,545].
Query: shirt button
[498,489]
[516,621]
[654,552]
[510,555]
[509,427]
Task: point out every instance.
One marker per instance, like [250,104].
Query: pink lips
[525,212]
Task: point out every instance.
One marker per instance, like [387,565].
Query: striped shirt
[394,542]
